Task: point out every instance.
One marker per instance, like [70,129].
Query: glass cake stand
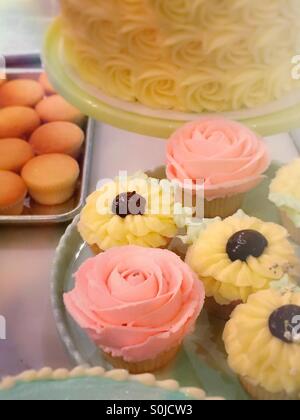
[280,116]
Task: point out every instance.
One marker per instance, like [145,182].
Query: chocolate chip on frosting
[284,324]
[129,203]
[244,244]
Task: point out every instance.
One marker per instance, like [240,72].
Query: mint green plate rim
[266,125]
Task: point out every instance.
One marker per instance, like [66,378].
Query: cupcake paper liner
[95,249]
[223,207]
[219,207]
[144,366]
[222,312]
[259,393]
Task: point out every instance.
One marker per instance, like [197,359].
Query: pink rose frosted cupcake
[223,156]
[137,304]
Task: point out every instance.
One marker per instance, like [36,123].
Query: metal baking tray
[41,215]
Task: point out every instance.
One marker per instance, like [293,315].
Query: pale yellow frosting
[192,55]
[254,353]
[99,226]
[285,190]
[229,281]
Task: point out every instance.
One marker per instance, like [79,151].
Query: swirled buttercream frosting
[263,342]
[191,55]
[136,302]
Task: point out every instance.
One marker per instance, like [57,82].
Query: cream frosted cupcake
[262,340]
[217,160]
[237,257]
[137,304]
[285,194]
[135,210]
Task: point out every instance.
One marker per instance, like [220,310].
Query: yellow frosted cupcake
[237,257]
[20,92]
[262,340]
[135,210]
[285,193]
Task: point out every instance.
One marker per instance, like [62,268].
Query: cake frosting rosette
[137,304]
[223,156]
[219,55]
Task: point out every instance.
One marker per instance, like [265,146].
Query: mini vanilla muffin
[58,137]
[46,85]
[14,154]
[18,122]
[12,193]
[56,108]
[51,179]
[21,92]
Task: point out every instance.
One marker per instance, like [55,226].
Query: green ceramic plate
[278,117]
[202,362]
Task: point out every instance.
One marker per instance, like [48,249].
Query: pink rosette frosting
[226,156]
[136,302]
